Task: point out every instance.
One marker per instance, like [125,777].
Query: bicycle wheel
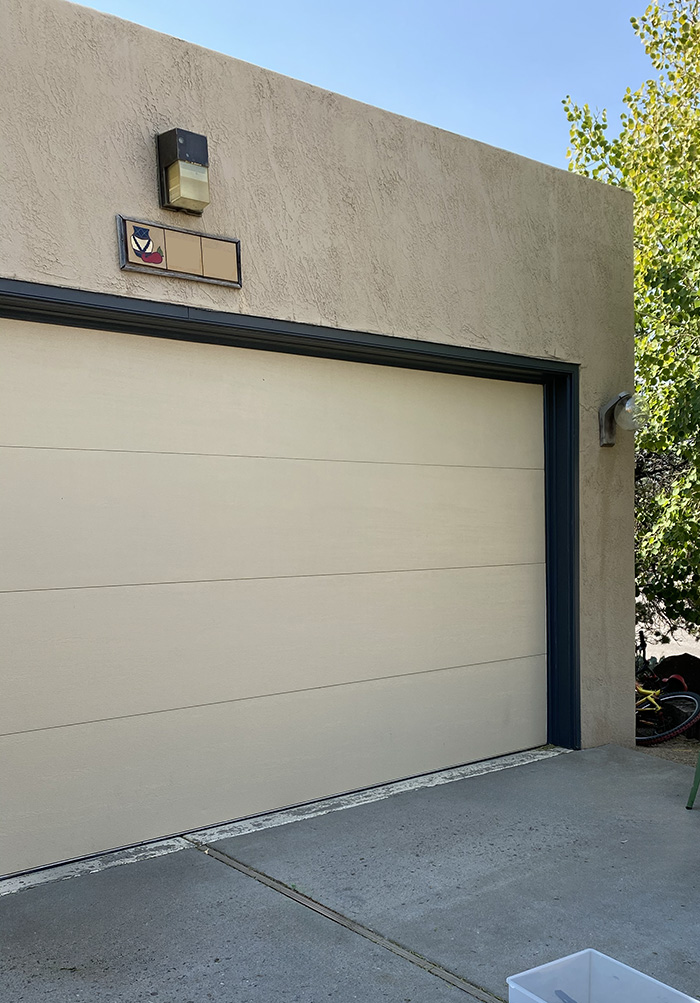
[679,711]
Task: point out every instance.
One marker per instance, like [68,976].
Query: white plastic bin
[589,977]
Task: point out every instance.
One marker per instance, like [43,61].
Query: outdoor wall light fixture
[183,171]
[619,411]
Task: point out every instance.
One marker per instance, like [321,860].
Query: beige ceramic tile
[183,252]
[219,259]
[148,241]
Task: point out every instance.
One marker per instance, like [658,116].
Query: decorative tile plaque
[168,250]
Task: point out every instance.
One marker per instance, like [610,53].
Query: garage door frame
[559,380]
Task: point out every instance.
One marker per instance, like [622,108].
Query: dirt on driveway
[678,750]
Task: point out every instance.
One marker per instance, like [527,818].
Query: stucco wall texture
[349,217]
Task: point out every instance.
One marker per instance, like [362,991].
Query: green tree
[656,156]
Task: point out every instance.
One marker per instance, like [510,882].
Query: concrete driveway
[433,894]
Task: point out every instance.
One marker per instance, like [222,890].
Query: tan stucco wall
[349,217]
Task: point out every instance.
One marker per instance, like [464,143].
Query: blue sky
[494,71]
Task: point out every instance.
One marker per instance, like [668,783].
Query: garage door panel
[81,518]
[155,648]
[148,394]
[107,784]
[78,519]
[238,580]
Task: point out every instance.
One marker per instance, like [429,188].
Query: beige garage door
[237,580]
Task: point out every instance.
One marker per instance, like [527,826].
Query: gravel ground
[678,750]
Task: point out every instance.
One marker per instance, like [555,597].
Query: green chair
[694,788]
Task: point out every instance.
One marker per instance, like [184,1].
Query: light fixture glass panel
[625,414]
[633,414]
[188,185]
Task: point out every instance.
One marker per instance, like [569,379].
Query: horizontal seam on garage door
[272,578]
[277,693]
[265,456]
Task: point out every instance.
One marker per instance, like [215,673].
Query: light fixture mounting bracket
[606,418]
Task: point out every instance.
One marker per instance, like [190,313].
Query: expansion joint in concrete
[474,993]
